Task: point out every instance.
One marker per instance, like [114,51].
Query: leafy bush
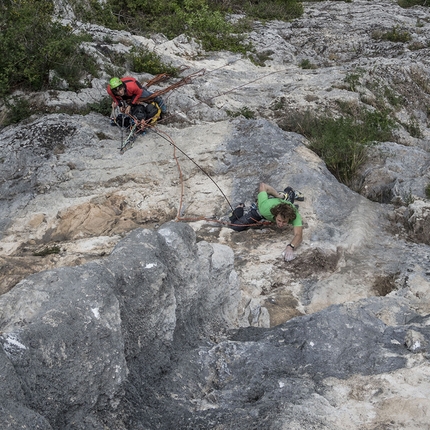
[202,19]
[33,47]
[353,79]
[144,61]
[39,53]
[394,100]
[104,107]
[306,64]
[244,111]
[413,128]
[342,142]
[18,109]
[411,3]
[427,191]
[260,58]
[96,11]
[283,10]
[48,251]
[395,35]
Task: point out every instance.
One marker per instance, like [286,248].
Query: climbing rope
[143,125]
[185,80]
[179,216]
[140,126]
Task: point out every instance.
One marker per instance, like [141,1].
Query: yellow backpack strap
[156,117]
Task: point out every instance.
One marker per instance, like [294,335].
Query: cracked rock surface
[126,304]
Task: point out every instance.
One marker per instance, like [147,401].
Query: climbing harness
[134,125]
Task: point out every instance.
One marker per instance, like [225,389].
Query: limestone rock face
[144,339]
[95,327]
[127,303]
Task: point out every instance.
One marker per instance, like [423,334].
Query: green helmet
[115,83]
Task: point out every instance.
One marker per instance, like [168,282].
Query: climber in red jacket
[130,90]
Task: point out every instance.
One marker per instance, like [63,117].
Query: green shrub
[427,191]
[342,142]
[103,107]
[40,54]
[407,198]
[32,47]
[283,10]
[98,12]
[18,109]
[244,111]
[411,3]
[394,100]
[259,58]
[210,27]
[353,80]
[396,35]
[306,64]
[48,251]
[413,128]
[206,21]
[145,61]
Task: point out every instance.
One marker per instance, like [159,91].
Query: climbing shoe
[237,213]
[290,194]
[299,196]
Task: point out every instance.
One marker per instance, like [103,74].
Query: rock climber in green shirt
[272,206]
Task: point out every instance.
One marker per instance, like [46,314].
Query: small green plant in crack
[244,111]
[145,61]
[102,136]
[413,128]
[278,104]
[396,35]
[410,3]
[427,191]
[47,251]
[103,106]
[353,80]
[407,197]
[18,109]
[306,64]
[260,58]
[393,99]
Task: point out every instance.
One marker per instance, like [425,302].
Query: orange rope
[142,125]
[183,81]
[201,218]
[179,170]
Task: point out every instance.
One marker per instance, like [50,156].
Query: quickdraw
[135,128]
[128,142]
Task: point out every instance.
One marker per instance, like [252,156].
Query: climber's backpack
[150,113]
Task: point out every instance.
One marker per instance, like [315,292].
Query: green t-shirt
[265,204]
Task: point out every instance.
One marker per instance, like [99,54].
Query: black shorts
[242,221]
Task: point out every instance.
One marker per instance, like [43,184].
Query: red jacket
[133,91]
